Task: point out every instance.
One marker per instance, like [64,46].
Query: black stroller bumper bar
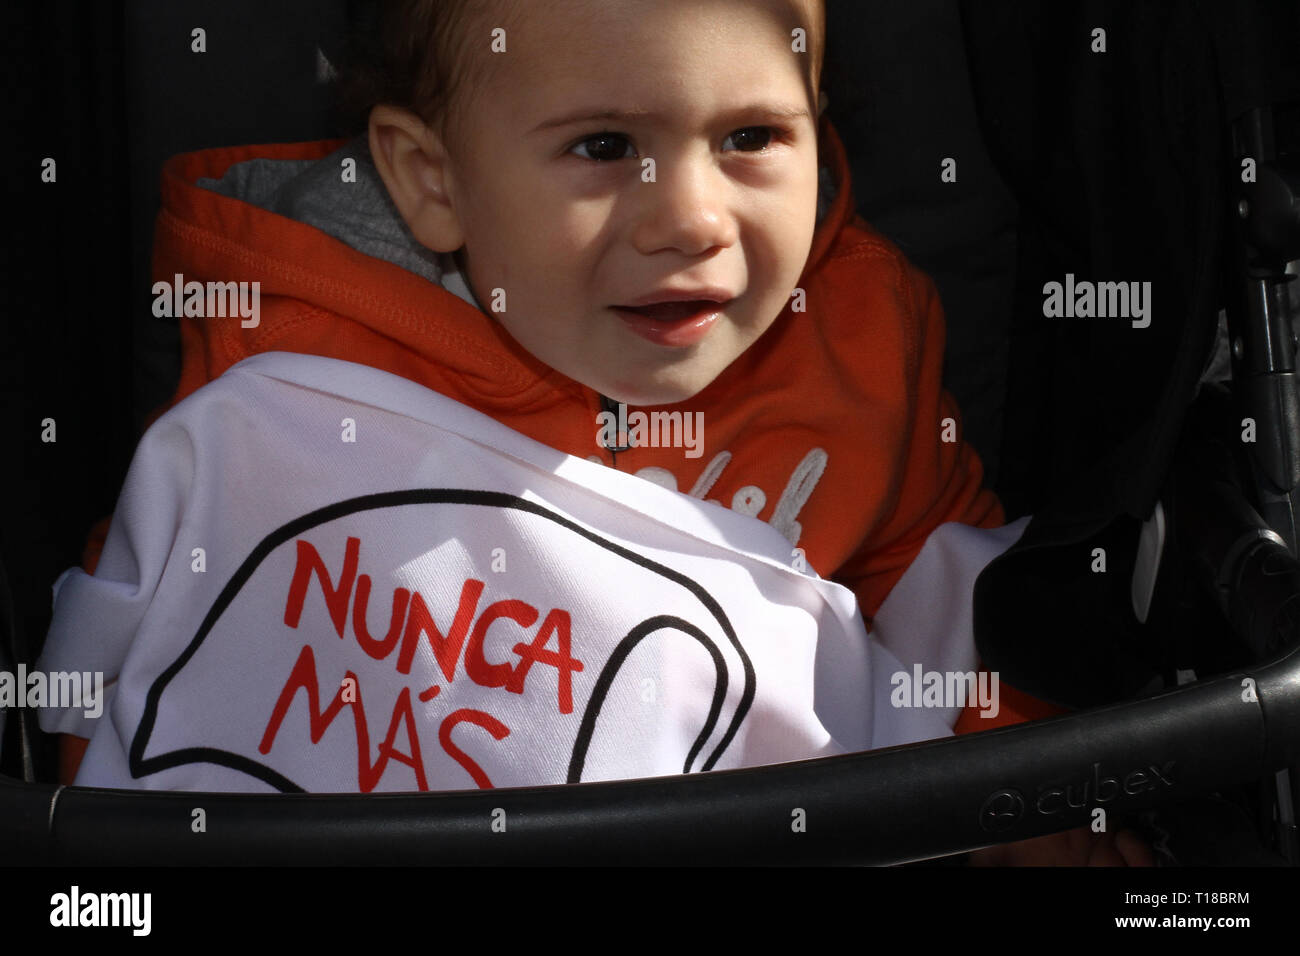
[886,806]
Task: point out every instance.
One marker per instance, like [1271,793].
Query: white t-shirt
[324,577]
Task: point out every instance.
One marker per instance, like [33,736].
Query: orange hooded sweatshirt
[829,427]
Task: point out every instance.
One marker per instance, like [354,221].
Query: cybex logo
[1099,789]
[1004,808]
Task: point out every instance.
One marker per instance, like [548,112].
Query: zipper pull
[612,407]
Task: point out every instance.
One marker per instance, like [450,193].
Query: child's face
[571,224]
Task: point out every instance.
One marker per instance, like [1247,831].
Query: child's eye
[609,147]
[758,138]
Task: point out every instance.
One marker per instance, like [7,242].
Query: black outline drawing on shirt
[141,766]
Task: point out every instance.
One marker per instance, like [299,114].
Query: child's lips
[674,324]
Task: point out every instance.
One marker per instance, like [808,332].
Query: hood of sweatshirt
[339,274]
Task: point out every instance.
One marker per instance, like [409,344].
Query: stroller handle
[887,806]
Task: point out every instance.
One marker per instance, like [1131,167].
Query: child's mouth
[676,324]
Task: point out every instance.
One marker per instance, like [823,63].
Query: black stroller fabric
[1119,161]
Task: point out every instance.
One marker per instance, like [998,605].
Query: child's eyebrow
[769,111]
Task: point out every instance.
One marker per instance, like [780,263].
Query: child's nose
[684,207]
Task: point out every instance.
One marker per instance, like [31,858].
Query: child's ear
[416,170]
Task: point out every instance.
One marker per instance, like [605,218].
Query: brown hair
[413,54]
[416,54]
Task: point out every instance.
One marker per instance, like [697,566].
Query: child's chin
[665,383]
[657,393]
